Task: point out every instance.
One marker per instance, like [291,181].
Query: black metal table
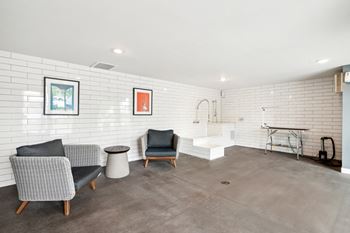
[295,132]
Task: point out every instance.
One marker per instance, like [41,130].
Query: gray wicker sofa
[52,177]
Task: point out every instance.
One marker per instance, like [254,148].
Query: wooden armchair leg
[174,163]
[22,206]
[93,184]
[66,207]
[146,162]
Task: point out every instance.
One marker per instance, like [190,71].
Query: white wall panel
[310,103]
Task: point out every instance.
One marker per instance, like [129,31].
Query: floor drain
[225,182]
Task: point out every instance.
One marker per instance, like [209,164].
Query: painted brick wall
[310,104]
[105,107]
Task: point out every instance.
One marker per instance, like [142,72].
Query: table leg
[298,142]
[267,140]
[301,143]
[271,143]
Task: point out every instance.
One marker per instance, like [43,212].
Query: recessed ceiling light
[223,79]
[118,51]
[322,61]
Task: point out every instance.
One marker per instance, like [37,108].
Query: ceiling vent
[103,65]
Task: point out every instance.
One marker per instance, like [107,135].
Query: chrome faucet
[215,113]
[196,121]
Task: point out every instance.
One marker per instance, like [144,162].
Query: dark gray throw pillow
[51,148]
[160,138]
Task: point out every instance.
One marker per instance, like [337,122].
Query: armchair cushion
[83,175]
[51,148]
[160,152]
[160,138]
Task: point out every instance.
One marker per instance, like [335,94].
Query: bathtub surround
[311,104]
[106,106]
[211,142]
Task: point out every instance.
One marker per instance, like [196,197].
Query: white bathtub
[209,140]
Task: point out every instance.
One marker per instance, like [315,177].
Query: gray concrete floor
[271,193]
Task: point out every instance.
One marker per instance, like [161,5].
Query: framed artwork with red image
[143,101]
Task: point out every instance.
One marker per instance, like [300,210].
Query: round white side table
[117,161]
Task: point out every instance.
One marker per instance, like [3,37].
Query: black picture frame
[46,97]
[135,89]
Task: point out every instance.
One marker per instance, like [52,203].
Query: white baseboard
[345,170]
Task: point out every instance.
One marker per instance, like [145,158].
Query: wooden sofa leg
[174,163]
[93,184]
[22,206]
[146,162]
[66,208]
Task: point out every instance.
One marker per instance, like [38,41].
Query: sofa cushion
[160,152]
[160,138]
[83,175]
[51,148]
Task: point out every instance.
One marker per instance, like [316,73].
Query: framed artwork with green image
[61,96]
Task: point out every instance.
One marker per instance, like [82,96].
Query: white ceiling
[250,42]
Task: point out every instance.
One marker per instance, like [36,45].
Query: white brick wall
[310,103]
[105,107]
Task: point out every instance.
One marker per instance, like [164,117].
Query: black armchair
[160,145]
